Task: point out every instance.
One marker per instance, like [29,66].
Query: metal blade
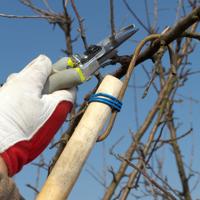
[110,43]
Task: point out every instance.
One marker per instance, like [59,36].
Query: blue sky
[22,40]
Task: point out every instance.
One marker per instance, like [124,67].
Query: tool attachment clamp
[111,101]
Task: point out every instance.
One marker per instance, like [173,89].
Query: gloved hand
[28,119]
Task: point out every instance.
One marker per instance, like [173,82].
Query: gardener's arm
[3,168]
[29,119]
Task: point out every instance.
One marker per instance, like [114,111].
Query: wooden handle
[68,167]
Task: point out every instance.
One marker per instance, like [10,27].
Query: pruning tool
[72,71]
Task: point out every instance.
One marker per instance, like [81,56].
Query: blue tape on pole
[107,99]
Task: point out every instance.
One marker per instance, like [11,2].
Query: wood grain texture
[73,157]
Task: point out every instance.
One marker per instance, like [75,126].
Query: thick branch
[168,37]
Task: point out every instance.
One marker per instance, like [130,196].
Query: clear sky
[22,40]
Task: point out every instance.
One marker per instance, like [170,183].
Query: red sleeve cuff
[24,152]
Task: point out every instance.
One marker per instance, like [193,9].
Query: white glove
[28,119]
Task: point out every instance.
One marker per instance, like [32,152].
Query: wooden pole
[68,167]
